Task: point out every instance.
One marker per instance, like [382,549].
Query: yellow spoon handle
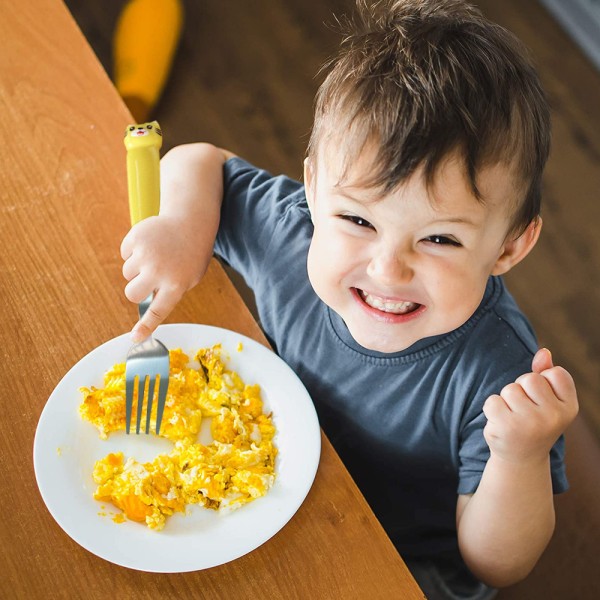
[143,142]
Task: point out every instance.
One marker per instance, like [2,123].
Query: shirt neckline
[423,347]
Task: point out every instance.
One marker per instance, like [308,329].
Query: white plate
[66,448]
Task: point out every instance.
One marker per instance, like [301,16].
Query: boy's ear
[308,183]
[516,249]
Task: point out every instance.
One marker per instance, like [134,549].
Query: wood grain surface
[63,213]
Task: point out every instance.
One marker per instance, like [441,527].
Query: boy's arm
[504,527]
[169,254]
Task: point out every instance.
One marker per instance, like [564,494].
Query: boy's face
[406,266]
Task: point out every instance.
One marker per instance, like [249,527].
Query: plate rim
[168,330]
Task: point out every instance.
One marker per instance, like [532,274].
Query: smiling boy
[378,281]
[414,262]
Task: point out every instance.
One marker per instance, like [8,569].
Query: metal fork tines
[147,363]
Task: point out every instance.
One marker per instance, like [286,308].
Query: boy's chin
[382,344]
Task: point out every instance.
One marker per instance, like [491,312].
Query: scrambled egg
[237,467]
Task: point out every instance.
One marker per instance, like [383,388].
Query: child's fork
[147,361]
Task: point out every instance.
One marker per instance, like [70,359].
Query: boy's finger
[562,384]
[494,407]
[126,247]
[130,269]
[140,332]
[542,360]
[516,398]
[138,289]
[536,388]
[157,312]
[145,326]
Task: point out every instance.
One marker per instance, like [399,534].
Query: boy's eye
[442,240]
[357,220]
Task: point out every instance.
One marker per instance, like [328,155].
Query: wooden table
[63,212]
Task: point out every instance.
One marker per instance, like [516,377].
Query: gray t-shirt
[408,425]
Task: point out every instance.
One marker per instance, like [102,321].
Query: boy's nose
[390,268]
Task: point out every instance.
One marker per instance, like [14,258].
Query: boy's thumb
[542,360]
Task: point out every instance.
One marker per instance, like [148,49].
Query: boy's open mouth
[402,307]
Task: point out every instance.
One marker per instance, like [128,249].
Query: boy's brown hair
[424,78]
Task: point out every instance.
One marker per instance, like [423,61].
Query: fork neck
[144,304]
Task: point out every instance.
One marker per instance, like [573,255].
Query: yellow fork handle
[143,169]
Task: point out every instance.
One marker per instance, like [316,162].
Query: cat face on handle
[143,135]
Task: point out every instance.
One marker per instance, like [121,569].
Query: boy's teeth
[391,307]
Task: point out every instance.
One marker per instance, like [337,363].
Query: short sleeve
[474,454]
[254,206]
[506,346]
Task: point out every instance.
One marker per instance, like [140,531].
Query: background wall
[581,18]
